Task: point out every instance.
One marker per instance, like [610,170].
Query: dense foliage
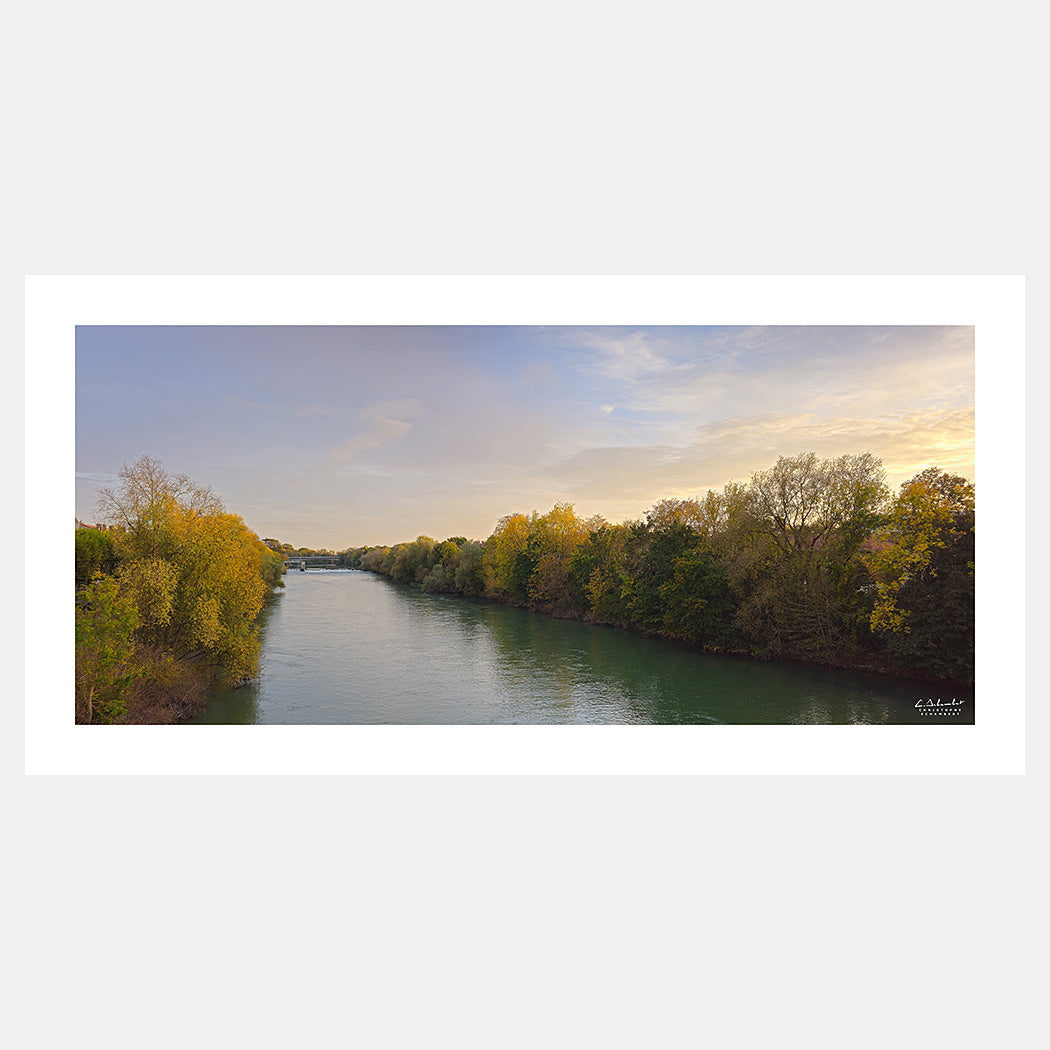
[167,600]
[811,560]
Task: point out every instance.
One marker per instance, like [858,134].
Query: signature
[937,706]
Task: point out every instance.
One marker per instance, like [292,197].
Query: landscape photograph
[439,524]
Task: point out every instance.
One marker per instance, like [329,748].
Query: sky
[339,437]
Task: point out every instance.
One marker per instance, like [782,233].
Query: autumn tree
[554,539]
[668,512]
[508,562]
[923,564]
[224,575]
[816,513]
[812,508]
[196,574]
[145,505]
[373,558]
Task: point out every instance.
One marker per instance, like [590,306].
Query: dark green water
[352,648]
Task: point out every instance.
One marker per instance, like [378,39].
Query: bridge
[302,562]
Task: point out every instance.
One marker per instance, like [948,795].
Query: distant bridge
[311,561]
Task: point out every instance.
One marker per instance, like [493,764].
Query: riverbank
[866,663]
[812,561]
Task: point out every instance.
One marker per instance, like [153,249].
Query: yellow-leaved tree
[931,519]
[557,535]
[198,575]
[508,563]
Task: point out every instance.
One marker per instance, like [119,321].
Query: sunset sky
[336,437]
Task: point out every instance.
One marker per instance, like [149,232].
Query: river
[346,647]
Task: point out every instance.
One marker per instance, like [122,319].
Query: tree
[374,558]
[810,505]
[923,565]
[816,513]
[94,553]
[412,560]
[443,562]
[669,512]
[600,572]
[222,583]
[197,575]
[470,568]
[696,602]
[554,540]
[508,561]
[106,620]
[656,552]
[144,505]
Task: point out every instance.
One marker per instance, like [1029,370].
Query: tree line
[286,550]
[167,599]
[810,560]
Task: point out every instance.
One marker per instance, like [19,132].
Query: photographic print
[488,524]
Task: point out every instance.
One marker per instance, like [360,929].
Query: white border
[995,305]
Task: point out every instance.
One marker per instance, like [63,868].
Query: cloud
[631,358]
[667,382]
[732,449]
[383,428]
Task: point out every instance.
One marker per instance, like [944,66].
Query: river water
[346,647]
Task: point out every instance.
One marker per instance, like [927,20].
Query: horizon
[339,437]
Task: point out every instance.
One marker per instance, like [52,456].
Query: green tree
[443,562]
[94,553]
[696,602]
[412,561]
[600,570]
[106,620]
[470,568]
[656,552]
